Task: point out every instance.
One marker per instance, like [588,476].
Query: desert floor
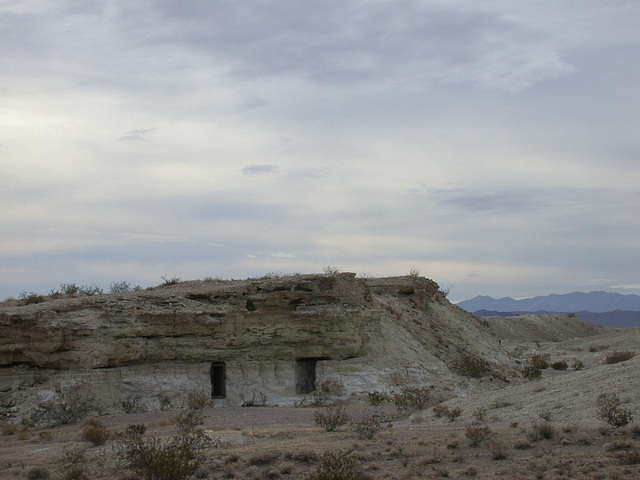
[277,442]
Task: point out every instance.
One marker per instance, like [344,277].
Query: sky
[490,145]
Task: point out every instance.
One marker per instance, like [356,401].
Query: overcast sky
[491,145]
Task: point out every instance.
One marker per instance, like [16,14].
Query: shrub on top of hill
[170,279]
[30,298]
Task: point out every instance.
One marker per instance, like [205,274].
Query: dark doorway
[306,375]
[218,377]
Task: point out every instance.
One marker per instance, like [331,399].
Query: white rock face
[239,341]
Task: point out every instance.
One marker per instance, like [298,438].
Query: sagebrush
[153,458]
[610,410]
[331,418]
[338,466]
[412,398]
[473,366]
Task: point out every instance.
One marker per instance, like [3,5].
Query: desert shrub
[30,298]
[151,458]
[367,425]
[578,365]
[8,429]
[571,427]
[376,398]
[541,431]
[539,361]
[189,420]
[453,413]
[597,348]
[120,287]
[531,373]
[132,404]
[444,411]
[499,449]
[73,464]
[522,445]
[473,366]
[480,414]
[630,457]
[620,444]
[318,397]
[45,436]
[69,289]
[412,398]
[546,416]
[38,473]
[91,290]
[476,433]
[262,459]
[302,456]
[24,434]
[420,467]
[66,407]
[470,472]
[258,399]
[170,280]
[331,418]
[610,409]
[199,400]
[619,356]
[560,365]
[330,270]
[95,432]
[439,410]
[337,466]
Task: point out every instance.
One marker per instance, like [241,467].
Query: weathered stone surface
[263,336]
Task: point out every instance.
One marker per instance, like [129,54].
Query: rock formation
[273,339]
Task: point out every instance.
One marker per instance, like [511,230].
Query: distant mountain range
[603,308]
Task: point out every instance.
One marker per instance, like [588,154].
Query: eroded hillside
[273,338]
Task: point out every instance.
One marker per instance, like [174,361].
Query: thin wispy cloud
[139,134]
[251,170]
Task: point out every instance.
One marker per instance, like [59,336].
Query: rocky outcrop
[273,338]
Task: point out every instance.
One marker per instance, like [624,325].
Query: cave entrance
[306,374]
[218,377]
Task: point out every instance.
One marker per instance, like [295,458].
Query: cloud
[251,170]
[333,43]
[139,134]
[491,145]
[276,255]
[630,286]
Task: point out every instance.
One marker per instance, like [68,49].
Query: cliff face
[278,338]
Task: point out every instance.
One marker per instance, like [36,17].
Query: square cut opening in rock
[218,378]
